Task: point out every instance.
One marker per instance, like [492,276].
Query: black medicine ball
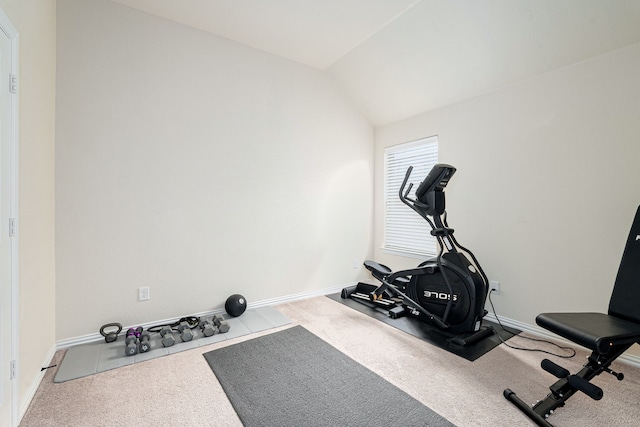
[235,305]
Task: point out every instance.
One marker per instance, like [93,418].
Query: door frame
[7,28]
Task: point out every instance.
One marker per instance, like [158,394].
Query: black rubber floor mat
[432,334]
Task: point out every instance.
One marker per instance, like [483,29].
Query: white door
[7,286]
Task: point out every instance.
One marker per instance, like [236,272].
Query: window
[405,232]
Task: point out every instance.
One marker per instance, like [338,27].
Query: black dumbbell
[221,324]
[186,334]
[208,328]
[132,340]
[167,336]
[145,342]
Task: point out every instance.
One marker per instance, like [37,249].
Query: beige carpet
[181,390]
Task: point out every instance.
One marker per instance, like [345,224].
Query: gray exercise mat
[98,356]
[294,378]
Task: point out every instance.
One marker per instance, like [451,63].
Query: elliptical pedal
[383,301]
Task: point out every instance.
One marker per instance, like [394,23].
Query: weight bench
[606,335]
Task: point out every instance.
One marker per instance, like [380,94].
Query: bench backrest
[625,299]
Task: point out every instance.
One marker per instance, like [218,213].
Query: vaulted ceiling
[399,58]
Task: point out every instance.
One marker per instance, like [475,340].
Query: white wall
[442,52]
[36,25]
[198,167]
[547,182]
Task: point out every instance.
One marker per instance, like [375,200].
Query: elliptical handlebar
[420,208]
[404,195]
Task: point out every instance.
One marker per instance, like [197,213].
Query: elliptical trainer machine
[448,291]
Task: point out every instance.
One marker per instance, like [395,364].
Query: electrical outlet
[144,293]
[356,264]
[495,285]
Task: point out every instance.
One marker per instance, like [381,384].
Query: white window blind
[405,231]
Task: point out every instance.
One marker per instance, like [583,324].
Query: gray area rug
[294,378]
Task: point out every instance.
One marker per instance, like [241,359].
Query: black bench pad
[595,331]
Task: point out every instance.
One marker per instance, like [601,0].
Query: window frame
[405,232]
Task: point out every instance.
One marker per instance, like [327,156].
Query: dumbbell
[208,328]
[167,336]
[221,324]
[132,340]
[186,334]
[145,342]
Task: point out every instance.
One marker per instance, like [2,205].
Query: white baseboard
[33,388]
[525,327]
[300,296]
[62,344]
[70,342]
